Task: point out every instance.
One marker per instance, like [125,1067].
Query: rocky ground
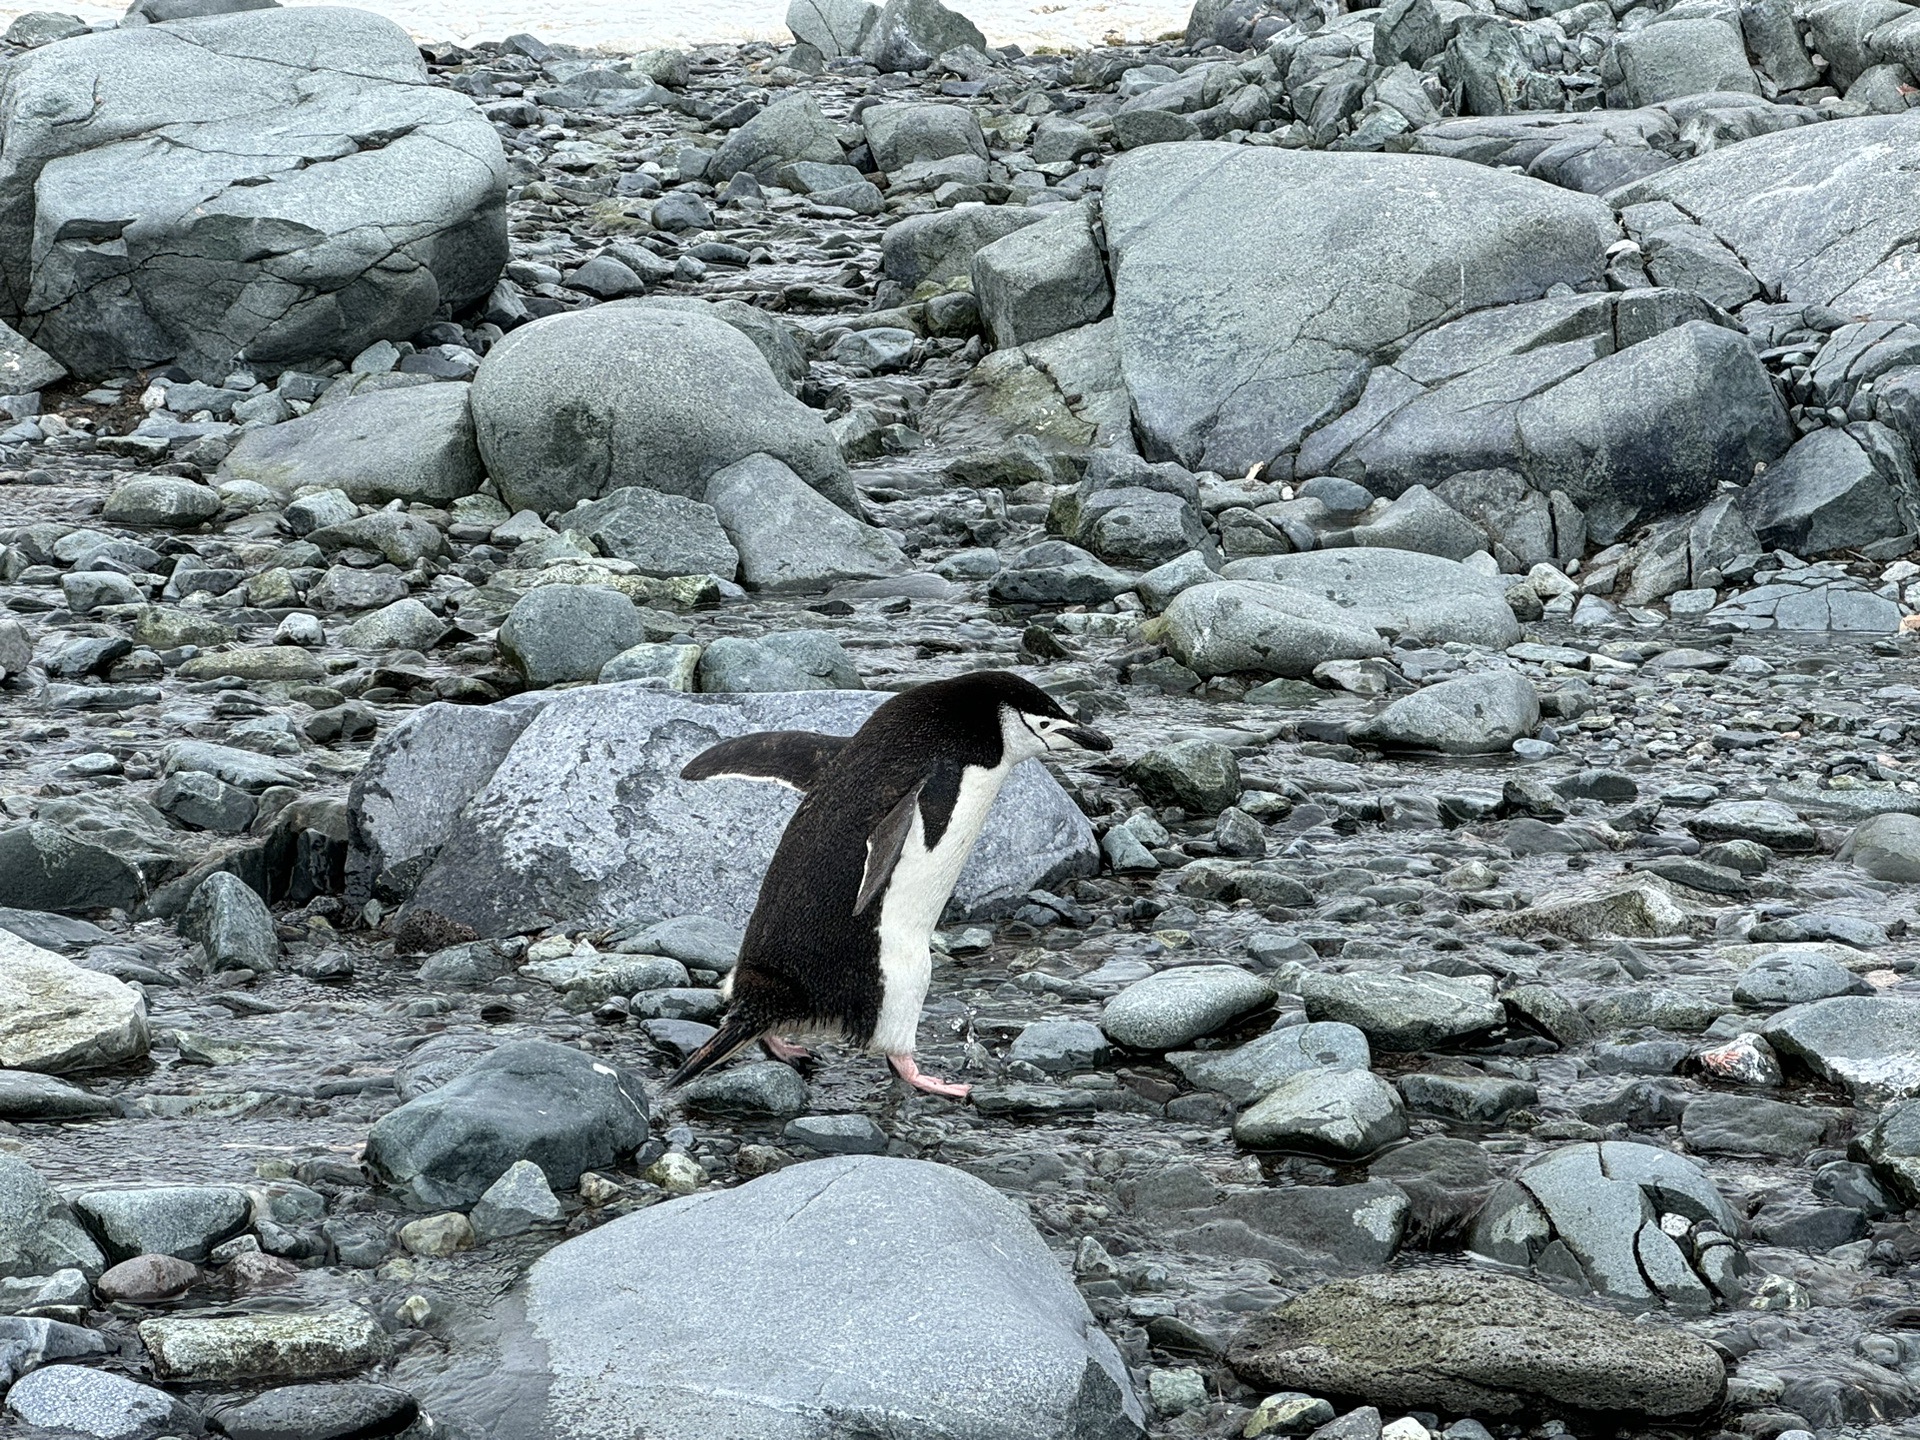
[1477,995]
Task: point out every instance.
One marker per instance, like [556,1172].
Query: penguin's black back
[807,958]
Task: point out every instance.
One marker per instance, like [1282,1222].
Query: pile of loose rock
[1463,450]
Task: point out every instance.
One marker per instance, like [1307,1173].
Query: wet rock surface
[1462,453]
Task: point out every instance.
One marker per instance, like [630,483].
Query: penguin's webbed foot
[904,1067]
[786,1050]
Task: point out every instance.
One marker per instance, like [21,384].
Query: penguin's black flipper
[795,758]
[889,838]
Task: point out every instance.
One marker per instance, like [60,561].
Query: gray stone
[24,366]
[1795,975]
[27,1096]
[232,926]
[662,534]
[1249,1072]
[1221,627]
[1887,847]
[184,1221]
[833,27]
[1678,57]
[373,238]
[160,502]
[1754,1125]
[1474,715]
[758,1089]
[240,768]
[58,1018]
[414,444]
[785,660]
[404,625]
[38,1234]
[837,1134]
[1199,775]
[1306,1229]
[941,247]
[1217,249]
[1869,1044]
[519,1200]
[1828,493]
[567,632]
[1419,520]
[1343,1114]
[510,829]
[320,1412]
[1041,280]
[1396,1012]
[900,135]
[78,1400]
[781,343]
[575,406]
[1396,592]
[1061,1046]
[1169,1009]
[788,130]
[788,536]
[676,665]
[1767,822]
[1054,572]
[620,1322]
[399,538]
[1462,1340]
[912,34]
[529,1100]
[1892,1146]
[42,27]
[1817,214]
[29,1343]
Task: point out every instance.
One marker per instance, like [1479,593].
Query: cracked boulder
[1254,287]
[268,188]
[1823,215]
[576,406]
[1631,406]
[508,827]
[1635,1224]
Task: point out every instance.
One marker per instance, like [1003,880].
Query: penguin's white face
[1024,734]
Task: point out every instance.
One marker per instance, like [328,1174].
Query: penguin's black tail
[734,1035]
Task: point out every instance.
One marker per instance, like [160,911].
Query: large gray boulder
[1465,1341]
[563,1110]
[135,227]
[812,1333]
[912,34]
[1396,592]
[1684,55]
[567,632]
[902,135]
[1228,626]
[409,444]
[574,406]
[1824,215]
[542,838]
[1253,287]
[38,1234]
[1830,492]
[662,534]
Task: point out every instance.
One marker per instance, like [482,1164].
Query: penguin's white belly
[910,907]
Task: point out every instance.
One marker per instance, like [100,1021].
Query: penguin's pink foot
[904,1067]
[784,1049]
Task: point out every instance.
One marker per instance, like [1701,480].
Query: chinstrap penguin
[839,942]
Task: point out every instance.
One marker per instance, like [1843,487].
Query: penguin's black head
[1029,721]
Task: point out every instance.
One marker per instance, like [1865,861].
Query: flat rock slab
[1869,1043]
[260,1347]
[57,1017]
[1469,1343]
[776,1310]
[581,817]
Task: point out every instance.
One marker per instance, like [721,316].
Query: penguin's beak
[1085,737]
